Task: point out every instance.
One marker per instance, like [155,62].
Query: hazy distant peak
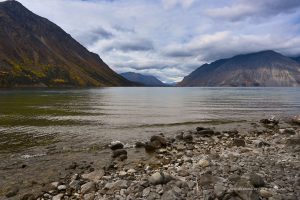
[147,80]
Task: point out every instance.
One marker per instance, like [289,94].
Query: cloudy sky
[171,38]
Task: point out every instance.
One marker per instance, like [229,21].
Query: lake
[80,118]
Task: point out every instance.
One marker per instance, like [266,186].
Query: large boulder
[152,146]
[270,123]
[206,133]
[119,152]
[162,140]
[187,138]
[116,145]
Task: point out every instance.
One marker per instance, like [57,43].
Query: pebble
[93,176]
[196,167]
[58,197]
[88,187]
[146,192]
[265,193]
[203,163]
[159,178]
[62,187]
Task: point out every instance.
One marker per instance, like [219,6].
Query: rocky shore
[206,163]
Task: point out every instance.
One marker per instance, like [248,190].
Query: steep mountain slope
[266,68]
[296,59]
[36,52]
[146,80]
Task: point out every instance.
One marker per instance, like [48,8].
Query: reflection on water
[37,117]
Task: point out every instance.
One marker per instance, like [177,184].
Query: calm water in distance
[38,117]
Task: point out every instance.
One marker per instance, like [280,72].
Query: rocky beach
[260,162]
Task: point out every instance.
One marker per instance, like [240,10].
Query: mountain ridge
[266,68]
[146,80]
[36,52]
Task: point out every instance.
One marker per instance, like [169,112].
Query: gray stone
[62,187]
[203,163]
[146,192]
[188,138]
[162,140]
[88,187]
[139,145]
[117,185]
[94,176]
[153,196]
[55,184]
[207,179]
[75,185]
[116,145]
[171,195]
[219,190]
[152,146]
[265,193]
[206,132]
[122,157]
[58,197]
[118,152]
[89,196]
[159,178]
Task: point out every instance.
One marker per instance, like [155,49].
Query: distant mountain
[266,68]
[296,59]
[36,52]
[146,80]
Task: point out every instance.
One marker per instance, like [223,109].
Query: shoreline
[206,163]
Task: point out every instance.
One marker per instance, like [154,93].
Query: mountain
[146,80]
[296,59]
[35,52]
[266,68]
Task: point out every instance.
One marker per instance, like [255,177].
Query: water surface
[31,118]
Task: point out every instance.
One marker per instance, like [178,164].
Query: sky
[171,38]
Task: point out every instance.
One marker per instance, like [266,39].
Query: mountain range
[34,52]
[146,80]
[265,68]
[37,52]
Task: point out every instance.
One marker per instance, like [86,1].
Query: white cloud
[171,38]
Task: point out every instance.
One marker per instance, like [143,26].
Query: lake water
[30,118]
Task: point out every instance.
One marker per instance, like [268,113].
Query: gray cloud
[93,35]
[134,45]
[179,54]
[124,29]
[171,38]
[241,9]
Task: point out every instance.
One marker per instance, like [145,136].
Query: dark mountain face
[267,68]
[296,59]
[145,80]
[36,52]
